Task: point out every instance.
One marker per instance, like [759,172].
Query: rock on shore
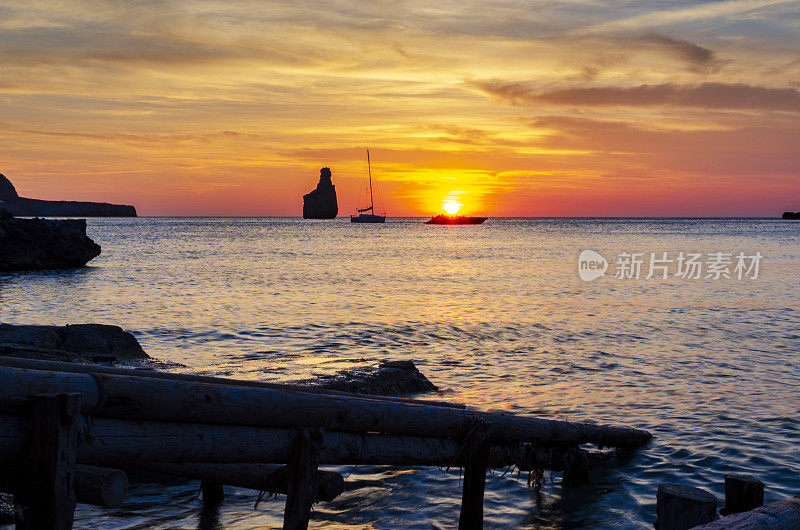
[40,244]
[321,203]
[21,206]
[389,378]
[78,342]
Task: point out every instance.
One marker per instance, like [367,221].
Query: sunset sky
[518,107]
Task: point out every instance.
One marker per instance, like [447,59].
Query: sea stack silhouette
[20,206]
[320,203]
[794,216]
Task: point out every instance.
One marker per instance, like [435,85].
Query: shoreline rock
[388,378]
[320,203]
[24,207]
[79,342]
[41,244]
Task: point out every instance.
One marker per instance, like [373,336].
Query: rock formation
[39,244]
[321,203]
[791,215]
[11,201]
[389,378]
[79,342]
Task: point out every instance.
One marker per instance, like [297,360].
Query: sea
[690,329]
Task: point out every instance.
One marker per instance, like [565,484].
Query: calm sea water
[496,314]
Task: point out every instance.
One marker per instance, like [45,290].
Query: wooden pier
[74,429]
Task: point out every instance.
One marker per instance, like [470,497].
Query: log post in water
[78,368]
[781,515]
[272,478]
[213,492]
[680,507]
[302,487]
[97,486]
[49,500]
[476,449]
[159,399]
[742,493]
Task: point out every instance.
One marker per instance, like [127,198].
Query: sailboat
[363,216]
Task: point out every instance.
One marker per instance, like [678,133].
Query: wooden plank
[781,515]
[61,366]
[476,448]
[142,398]
[302,487]
[53,444]
[272,478]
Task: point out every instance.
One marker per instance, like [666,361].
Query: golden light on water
[451,206]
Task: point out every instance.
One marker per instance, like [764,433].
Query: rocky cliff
[321,203]
[11,201]
[39,244]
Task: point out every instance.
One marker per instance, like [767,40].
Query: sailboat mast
[369,170]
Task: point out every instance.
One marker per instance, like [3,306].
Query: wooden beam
[51,497]
[302,487]
[213,492]
[61,366]
[682,507]
[141,398]
[742,493]
[476,449]
[272,478]
[111,442]
[778,515]
[97,486]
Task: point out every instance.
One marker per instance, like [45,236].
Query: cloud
[706,95]
[698,57]
[149,138]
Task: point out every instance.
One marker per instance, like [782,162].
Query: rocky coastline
[24,207]
[42,244]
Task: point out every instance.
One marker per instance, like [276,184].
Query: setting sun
[451,206]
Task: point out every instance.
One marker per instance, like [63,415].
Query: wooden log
[51,497]
[213,492]
[93,485]
[781,515]
[272,478]
[476,448]
[153,399]
[742,493]
[302,487]
[61,366]
[106,441]
[680,507]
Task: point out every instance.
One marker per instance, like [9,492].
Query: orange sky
[513,107]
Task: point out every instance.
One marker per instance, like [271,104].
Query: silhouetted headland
[791,215]
[40,244]
[321,203]
[21,206]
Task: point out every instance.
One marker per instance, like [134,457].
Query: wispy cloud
[705,95]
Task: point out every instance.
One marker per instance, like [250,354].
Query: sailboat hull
[367,218]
